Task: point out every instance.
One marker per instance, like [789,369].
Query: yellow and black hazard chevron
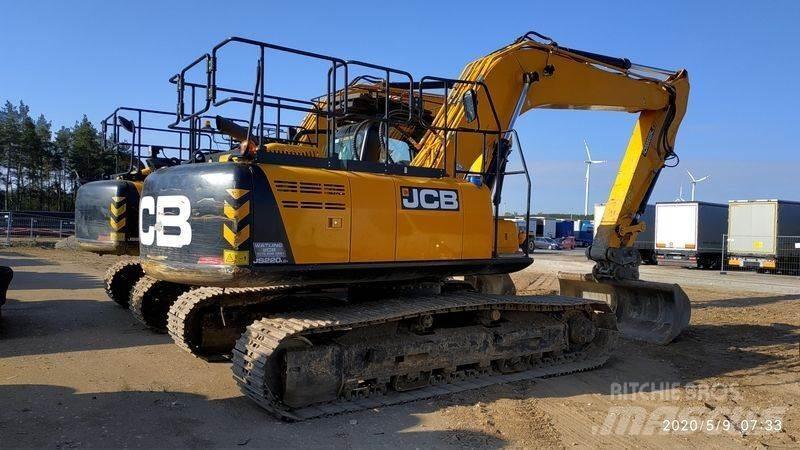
[117,219]
[236,231]
[106,217]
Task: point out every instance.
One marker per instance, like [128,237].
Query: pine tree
[86,155]
[37,165]
[61,146]
[9,139]
[30,157]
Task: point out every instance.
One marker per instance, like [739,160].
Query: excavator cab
[363,142]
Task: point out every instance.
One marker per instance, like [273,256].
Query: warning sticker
[269,253]
[236,257]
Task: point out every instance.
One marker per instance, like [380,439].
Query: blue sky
[65,59]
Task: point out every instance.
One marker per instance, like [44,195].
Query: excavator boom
[529,74]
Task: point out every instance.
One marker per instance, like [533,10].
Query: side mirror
[470,102]
[126,123]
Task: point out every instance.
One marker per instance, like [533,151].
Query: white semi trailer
[764,234]
[690,233]
[543,227]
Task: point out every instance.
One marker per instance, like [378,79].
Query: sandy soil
[78,371]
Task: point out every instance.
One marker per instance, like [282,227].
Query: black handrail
[186,141]
[333,107]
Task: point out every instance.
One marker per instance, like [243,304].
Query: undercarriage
[301,352]
[299,365]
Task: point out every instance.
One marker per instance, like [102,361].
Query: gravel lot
[76,370]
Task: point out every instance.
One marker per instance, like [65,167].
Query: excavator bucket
[646,311]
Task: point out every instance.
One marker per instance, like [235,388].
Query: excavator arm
[530,74]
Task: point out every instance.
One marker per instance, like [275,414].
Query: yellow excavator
[358,258]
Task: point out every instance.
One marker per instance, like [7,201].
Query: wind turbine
[589,161]
[695,181]
[680,194]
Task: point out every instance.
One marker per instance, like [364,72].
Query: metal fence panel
[784,259]
[28,227]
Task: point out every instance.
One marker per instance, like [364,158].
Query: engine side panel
[203,217]
[374,221]
[315,209]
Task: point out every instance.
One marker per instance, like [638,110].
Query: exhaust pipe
[646,311]
[231,128]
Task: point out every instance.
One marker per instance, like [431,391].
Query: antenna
[589,161]
[695,181]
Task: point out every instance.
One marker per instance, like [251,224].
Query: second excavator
[327,255]
[106,211]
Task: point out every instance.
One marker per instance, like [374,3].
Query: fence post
[31,227]
[8,228]
[722,257]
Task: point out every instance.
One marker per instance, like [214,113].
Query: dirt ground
[76,370]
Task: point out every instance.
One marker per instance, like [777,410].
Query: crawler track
[188,321]
[151,300]
[120,279]
[264,350]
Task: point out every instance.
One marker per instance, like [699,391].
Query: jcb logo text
[171,228]
[431,199]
